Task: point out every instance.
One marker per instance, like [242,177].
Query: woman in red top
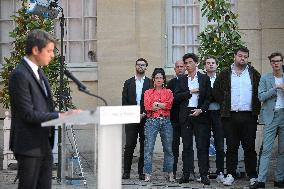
[158,102]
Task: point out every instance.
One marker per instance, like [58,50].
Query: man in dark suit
[132,94]
[172,84]
[193,93]
[31,104]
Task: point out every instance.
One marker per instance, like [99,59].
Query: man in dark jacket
[133,94]
[179,70]
[193,94]
[31,104]
[236,90]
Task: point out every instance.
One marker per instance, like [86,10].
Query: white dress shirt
[213,105]
[241,90]
[139,87]
[280,94]
[193,84]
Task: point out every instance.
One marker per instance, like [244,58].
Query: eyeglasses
[141,65]
[276,61]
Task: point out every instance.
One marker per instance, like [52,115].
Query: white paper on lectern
[110,115]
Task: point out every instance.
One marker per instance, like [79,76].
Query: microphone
[80,85]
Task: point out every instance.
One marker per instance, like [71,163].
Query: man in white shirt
[236,90]
[214,117]
[271,94]
[132,94]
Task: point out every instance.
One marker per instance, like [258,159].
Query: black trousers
[200,128]
[218,134]
[241,128]
[176,143]
[34,172]
[132,132]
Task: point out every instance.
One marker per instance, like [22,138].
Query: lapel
[146,85]
[29,69]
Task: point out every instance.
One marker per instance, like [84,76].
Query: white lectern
[108,145]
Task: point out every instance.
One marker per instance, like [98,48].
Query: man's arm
[125,93]
[263,92]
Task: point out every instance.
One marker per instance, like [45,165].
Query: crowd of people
[229,104]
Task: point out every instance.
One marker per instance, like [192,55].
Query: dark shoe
[257,185]
[126,176]
[205,180]
[141,177]
[183,179]
[279,184]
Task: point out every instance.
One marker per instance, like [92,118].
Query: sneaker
[252,181]
[171,177]
[147,178]
[198,179]
[220,178]
[228,181]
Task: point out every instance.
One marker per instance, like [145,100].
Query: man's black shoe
[126,176]
[183,179]
[205,180]
[279,184]
[141,177]
[257,185]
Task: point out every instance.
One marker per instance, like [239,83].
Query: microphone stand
[61,97]
[91,94]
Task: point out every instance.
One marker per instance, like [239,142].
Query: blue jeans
[152,127]
[269,134]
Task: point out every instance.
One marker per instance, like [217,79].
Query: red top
[162,96]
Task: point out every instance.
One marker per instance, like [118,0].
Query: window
[7,7]
[184,22]
[80,32]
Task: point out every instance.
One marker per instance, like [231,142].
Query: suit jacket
[182,95]
[172,85]
[129,92]
[267,94]
[29,108]
[222,91]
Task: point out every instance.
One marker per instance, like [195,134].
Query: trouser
[241,128]
[176,143]
[132,131]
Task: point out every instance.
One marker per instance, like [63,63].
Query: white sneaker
[198,179]
[147,178]
[228,181]
[171,177]
[220,178]
[252,181]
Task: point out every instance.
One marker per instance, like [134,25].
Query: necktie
[41,81]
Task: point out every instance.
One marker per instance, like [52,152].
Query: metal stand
[76,157]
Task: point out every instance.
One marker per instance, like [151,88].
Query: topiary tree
[24,23]
[221,38]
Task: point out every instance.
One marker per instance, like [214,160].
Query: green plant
[221,38]
[24,23]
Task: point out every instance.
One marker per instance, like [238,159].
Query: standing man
[193,94]
[236,90]
[211,65]
[133,94]
[179,70]
[271,94]
[31,104]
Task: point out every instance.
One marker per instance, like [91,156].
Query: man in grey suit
[271,94]
[31,104]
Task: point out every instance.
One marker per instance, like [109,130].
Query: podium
[108,122]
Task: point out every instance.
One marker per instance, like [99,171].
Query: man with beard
[179,70]
[133,94]
[236,90]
